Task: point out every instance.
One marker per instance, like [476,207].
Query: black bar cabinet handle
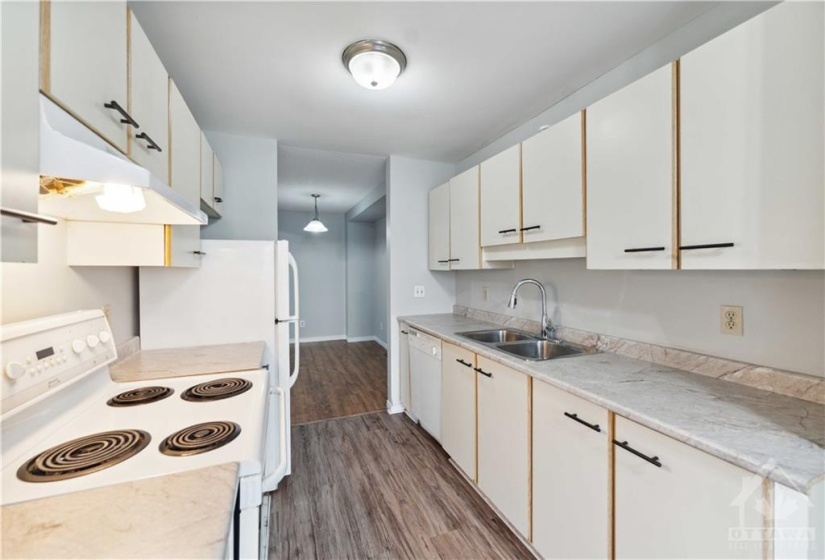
[529,228]
[626,447]
[218,199]
[512,230]
[444,261]
[27,217]
[405,332]
[201,253]
[644,249]
[152,145]
[453,260]
[707,246]
[463,363]
[482,372]
[574,416]
[127,118]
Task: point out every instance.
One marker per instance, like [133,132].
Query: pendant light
[315,225]
[374,64]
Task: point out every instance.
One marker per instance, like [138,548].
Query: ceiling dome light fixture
[315,225]
[374,64]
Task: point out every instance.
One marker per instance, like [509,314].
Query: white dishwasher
[425,381]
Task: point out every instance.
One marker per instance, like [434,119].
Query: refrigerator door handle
[293,376]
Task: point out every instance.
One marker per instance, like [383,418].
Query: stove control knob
[104,336]
[14,370]
[78,346]
[92,341]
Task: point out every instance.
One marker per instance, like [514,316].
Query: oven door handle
[272,478]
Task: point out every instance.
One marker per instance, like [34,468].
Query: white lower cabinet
[570,475]
[504,440]
[674,501]
[458,407]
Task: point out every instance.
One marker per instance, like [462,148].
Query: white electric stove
[67,427]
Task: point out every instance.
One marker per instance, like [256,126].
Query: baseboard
[321,338]
[367,339]
[394,408]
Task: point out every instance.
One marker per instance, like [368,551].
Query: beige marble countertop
[182,515]
[192,360]
[772,435]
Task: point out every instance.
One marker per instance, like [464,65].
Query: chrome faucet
[548,331]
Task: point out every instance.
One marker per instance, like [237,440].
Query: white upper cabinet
[439,228]
[630,176]
[185,174]
[752,144]
[207,173]
[674,501]
[149,104]
[552,182]
[84,64]
[501,198]
[465,253]
[20,152]
[218,186]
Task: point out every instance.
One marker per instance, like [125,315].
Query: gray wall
[784,311]
[360,280]
[381,276]
[321,259]
[250,201]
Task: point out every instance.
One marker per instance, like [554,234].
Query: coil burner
[144,395]
[217,390]
[83,456]
[200,438]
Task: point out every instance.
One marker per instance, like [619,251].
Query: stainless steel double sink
[523,345]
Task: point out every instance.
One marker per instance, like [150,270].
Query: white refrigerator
[243,291]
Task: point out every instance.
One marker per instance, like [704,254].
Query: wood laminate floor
[339,379]
[378,486]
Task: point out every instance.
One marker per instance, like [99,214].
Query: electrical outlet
[484,293]
[418,291]
[732,320]
[303,324]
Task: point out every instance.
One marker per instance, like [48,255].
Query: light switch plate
[418,291]
[303,324]
[732,320]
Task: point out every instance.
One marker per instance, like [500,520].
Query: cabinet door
[465,254]
[630,207]
[404,365]
[692,506]
[218,179]
[207,173]
[552,184]
[752,142]
[458,406]
[570,475]
[84,63]
[501,198]
[148,104]
[20,155]
[439,228]
[503,440]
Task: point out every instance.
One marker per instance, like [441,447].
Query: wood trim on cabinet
[167,245]
[677,172]
[478,230]
[520,193]
[530,458]
[169,133]
[475,408]
[129,131]
[611,485]
[584,171]
[45,46]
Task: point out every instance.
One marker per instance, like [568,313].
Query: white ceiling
[476,69]
[341,179]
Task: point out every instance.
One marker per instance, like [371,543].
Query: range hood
[75,166]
